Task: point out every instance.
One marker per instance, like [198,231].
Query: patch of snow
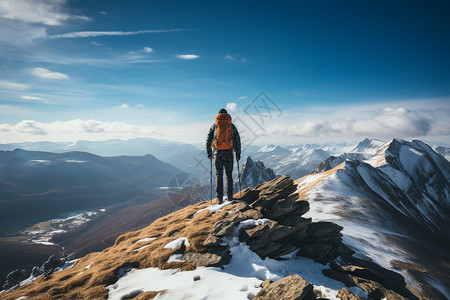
[177,243]
[250,222]
[75,161]
[143,247]
[145,240]
[41,161]
[214,208]
[175,258]
[43,242]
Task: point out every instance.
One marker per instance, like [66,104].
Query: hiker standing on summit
[223,142]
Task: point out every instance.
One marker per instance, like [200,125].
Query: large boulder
[292,287]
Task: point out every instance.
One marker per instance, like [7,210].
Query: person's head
[223,111]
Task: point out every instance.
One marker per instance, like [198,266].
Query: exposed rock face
[254,173]
[200,239]
[14,278]
[333,161]
[292,287]
[345,294]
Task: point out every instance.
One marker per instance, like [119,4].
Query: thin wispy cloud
[33,98]
[87,34]
[47,74]
[187,56]
[12,85]
[232,58]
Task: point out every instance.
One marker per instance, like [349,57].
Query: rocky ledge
[268,218]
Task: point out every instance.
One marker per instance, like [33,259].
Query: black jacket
[234,135]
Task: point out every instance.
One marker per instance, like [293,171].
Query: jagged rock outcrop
[333,161]
[13,278]
[254,173]
[268,219]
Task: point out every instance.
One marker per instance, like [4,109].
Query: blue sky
[335,70]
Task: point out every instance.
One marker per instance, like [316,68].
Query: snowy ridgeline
[385,202]
[240,279]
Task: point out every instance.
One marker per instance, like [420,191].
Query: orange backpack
[222,137]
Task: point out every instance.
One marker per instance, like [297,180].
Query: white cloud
[187,56]
[102,12]
[34,11]
[148,50]
[44,12]
[30,130]
[33,98]
[12,85]
[47,74]
[385,123]
[125,106]
[231,106]
[242,98]
[229,57]
[85,34]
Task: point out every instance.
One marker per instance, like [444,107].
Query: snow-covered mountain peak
[368,146]
[273,149]
[399,197]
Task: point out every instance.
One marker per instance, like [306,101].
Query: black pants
[224,160]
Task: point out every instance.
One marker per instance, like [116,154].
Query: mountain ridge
[193,242]
[391,198]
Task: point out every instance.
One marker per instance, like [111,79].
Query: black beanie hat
[223,111]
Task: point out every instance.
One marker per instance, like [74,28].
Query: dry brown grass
[90,276]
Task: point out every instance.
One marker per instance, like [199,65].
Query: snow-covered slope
[394,207]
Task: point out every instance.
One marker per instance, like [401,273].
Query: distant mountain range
[294,160]
[36,185]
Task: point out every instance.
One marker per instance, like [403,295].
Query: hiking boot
[220,200]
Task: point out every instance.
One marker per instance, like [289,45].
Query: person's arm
[236,142]
[209,140]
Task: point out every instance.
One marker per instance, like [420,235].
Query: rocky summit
[267,220]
